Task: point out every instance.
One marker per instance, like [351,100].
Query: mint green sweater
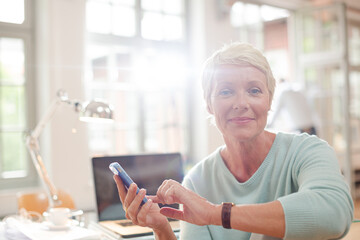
[300,171]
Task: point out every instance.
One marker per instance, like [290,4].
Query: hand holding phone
[118,170]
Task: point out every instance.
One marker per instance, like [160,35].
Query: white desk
[94,231]
[113,236]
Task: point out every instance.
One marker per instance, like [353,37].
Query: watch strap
[226,214]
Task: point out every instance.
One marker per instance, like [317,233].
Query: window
[12,11]
[136,60]
[354,108]
[266,28]
[15,80]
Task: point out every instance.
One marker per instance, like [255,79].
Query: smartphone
[118,170]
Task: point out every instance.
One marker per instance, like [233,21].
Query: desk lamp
[93,111]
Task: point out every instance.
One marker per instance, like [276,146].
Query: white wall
[62,66]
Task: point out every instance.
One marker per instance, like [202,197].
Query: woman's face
[240,101]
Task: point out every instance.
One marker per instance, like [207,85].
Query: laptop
[148,171]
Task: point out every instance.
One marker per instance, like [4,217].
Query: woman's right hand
[147,215]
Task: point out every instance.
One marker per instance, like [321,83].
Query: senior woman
[259,185]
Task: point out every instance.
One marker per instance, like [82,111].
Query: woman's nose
[240,102]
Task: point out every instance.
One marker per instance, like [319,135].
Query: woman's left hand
[146,216]
[196,209]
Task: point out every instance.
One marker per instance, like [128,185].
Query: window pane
[100,138]
[97,63]
[354,44]
[11,61]
[109,64]
[165,6]
[99,69]
[12,11]
[151,26]
[173,6]
[161,69]
[98,17]
[152,5]
[125,102]
[244,14]
[236,14]
[355,110]
[165,121]
[127,116]
[173,28]
[124,2]
[124,134]
[326,86]
[124,67]
[252,14]
[12,107]
[321,31]
[124,21]
[269,13]
[14,158]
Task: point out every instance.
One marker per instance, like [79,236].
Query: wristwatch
[226,213]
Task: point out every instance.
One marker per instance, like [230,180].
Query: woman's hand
[196,209]
[147,215]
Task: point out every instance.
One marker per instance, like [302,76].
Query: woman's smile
[241,120]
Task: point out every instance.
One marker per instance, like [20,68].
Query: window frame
[26,33]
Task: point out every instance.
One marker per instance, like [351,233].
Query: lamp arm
[43,174]
[33,147]
[46,118]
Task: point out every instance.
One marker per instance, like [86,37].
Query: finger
[139,197]
[120,187]
[170,192]
[131,193]
[154,199]
[162,190]
[134,207]
[172,213]
[169,195]
[143,213]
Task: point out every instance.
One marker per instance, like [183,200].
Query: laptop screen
[147,170]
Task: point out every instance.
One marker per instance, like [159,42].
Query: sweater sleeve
[322,208]
[192,231]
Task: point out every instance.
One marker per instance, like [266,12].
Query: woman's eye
[225,92]
[254,91]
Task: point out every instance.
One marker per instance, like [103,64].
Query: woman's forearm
[266,218]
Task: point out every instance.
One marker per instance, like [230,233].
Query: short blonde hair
[235,54]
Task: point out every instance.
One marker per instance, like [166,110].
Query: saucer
[52,227]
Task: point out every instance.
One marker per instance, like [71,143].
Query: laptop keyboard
[129,223]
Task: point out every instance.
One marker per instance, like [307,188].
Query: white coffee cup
[58,216]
